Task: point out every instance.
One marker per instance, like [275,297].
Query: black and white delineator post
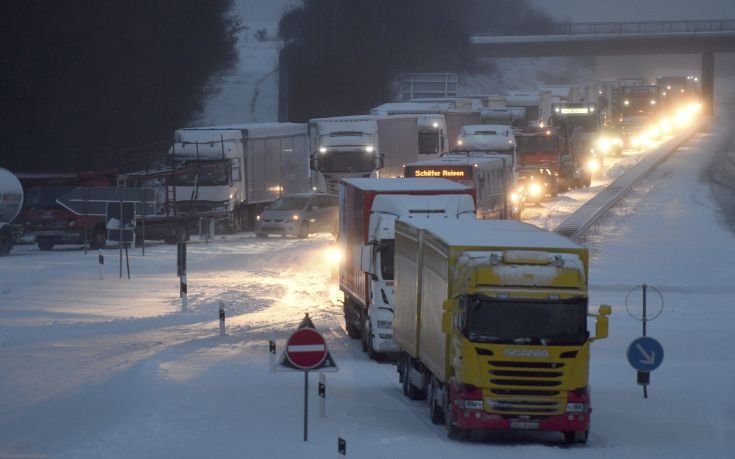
[322,392]
[272,351]
[182,293]
[221,318]
[101,262]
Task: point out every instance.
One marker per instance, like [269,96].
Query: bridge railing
[614,28]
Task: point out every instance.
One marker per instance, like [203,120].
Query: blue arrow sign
[645,354]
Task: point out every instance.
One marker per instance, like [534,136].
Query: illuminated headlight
[652,102]
[470,404]
[334,255]
[593,164]
[322,149]
[603,144]
[435,124]
[534,189]
[626,102]
[635,141]
[385,324]
[459,142]
[257,217]
[514,197]
[654,131]
[369,149]
[665,125]
[576,407]
[295,216]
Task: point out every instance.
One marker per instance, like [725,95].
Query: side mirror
[602,322]
[366,258]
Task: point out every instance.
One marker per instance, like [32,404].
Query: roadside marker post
[222,318]
[322,392]
[101,263]
[272,352]
[182,293]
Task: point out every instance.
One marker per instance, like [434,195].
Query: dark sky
[637,10]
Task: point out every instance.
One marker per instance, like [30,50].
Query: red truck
[544,148]
[53,224]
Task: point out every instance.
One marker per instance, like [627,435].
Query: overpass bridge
[704,37]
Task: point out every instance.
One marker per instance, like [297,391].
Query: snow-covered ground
[116,368]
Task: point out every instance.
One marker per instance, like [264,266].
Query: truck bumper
[63,236]
[479,419]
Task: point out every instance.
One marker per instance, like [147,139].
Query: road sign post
[306,350]
[645,354]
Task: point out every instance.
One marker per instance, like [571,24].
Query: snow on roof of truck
[404,184]
[460,160]
[393,108]
[238,131]
[494,233]
[487,129]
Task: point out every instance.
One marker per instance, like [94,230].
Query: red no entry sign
[306,348]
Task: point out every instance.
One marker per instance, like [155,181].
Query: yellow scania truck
[491,322]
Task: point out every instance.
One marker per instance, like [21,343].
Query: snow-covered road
[115,368]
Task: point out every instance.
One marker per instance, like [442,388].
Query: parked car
[299,215]
[535,183]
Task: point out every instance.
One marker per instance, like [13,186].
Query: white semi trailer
[11,203]
[360,147]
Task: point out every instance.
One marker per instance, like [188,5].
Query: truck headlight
[295,217]
[514,197]
[576,407]
[257,217]
[603,145]
[322,150]
[534,189]
[470,404]
[369,149]
[593,164]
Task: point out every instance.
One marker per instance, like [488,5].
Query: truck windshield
[288,203]
[428,142]
[209,174]
[535,144]
[387,250]
[526,322]
[346,161]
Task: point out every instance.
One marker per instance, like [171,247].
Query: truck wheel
[6,241]
[364,331]
[45,244]
[413,392]
[352,325]
[588,181]
[99,237]
[304,231]
[436,412]
[576,437]
[370,349]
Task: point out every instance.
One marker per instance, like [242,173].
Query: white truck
[360,146]
[11,203]
[230,172]
[369,209]
[433,139]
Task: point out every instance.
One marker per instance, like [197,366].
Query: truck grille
[524,387]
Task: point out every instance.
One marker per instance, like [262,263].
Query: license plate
[527,425]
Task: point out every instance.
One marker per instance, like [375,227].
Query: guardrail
[583,218]
[613,28]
